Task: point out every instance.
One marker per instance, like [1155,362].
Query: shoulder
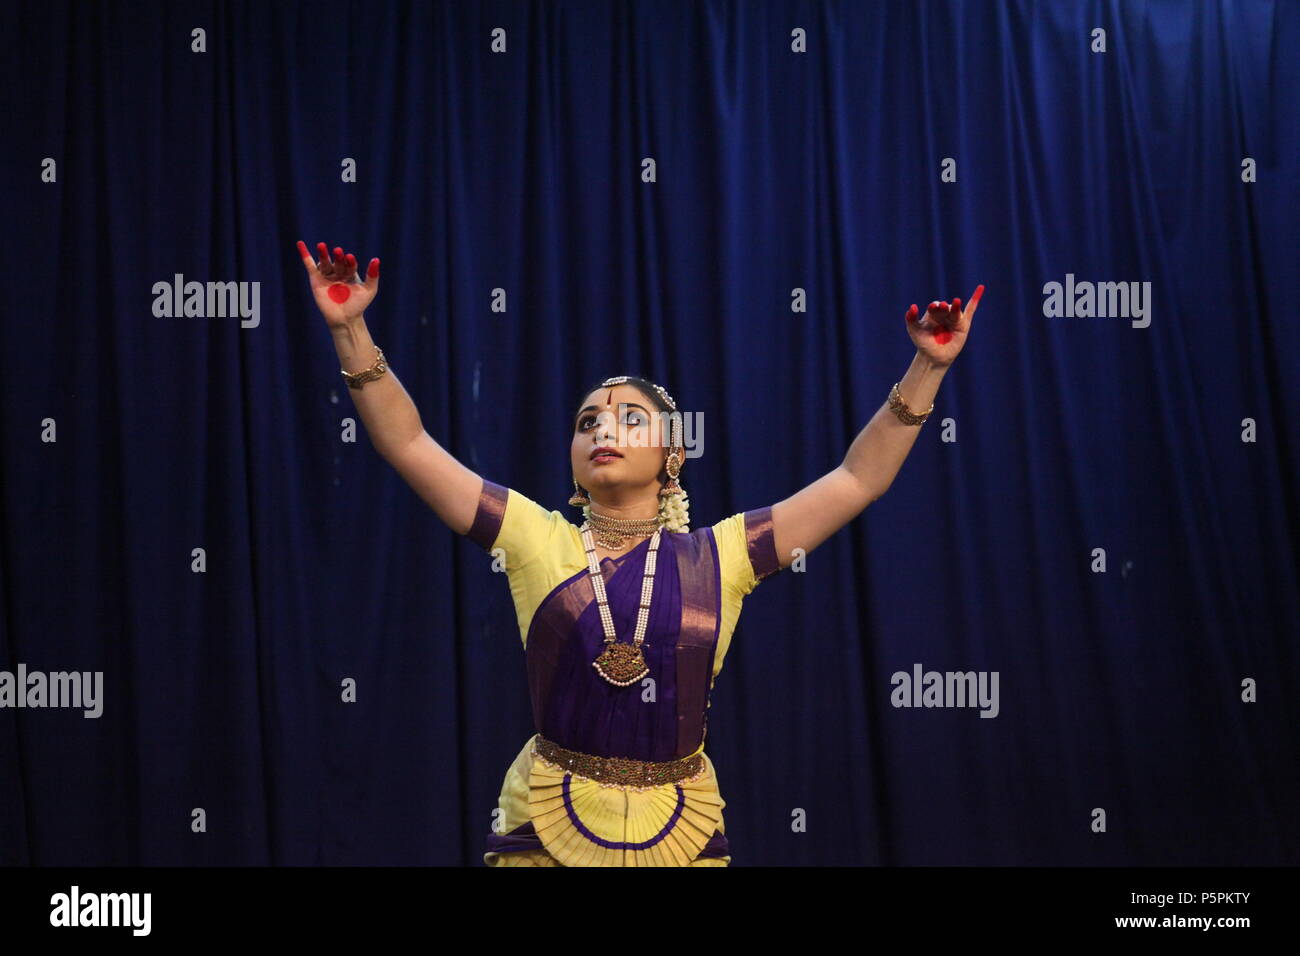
[508,518]
[746,548]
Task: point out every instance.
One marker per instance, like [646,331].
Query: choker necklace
[611,532]
[621,664]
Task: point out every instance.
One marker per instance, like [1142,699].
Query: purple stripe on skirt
[524,837]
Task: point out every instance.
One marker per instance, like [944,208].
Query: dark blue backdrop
[775,170]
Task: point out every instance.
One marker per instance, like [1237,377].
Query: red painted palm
[340,293]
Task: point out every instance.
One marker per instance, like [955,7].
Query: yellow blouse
[540,549]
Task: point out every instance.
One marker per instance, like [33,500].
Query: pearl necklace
[621,664]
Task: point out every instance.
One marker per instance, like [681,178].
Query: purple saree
[572,705]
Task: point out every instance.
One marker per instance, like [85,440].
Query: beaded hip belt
[619,771]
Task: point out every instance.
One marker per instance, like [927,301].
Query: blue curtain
[1102,508]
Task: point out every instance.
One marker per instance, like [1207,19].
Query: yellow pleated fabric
[534,790]
[542,858]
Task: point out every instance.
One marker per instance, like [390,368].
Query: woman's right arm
[391,418]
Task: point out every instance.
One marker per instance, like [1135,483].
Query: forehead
[620,393]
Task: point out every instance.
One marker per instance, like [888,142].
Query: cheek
[649,460]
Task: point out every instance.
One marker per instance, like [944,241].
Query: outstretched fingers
[308,262]
[971,306]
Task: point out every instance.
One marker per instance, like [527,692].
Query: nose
[602,429]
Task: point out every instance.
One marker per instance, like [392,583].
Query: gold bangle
[357,379]
[905,414]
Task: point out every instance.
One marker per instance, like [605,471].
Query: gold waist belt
[619,771]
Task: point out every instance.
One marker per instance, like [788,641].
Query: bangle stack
[905,414]
[357,379]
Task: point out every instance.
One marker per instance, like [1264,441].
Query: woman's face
[624,419]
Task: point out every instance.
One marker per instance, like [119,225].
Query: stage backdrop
[740,201]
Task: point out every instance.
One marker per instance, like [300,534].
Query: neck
[635,510]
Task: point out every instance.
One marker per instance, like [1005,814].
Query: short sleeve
[746,550]
[515,523]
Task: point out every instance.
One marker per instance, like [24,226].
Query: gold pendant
[621,664]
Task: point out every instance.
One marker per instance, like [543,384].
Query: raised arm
[392,421]
[814,513]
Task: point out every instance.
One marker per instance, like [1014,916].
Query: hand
[941,333]
[340,294]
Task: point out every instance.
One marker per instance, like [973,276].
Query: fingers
[372,275]
[339,267]
[308,262]
[942,318]
[343,269]
[962,319]
[938,314]
[323,260]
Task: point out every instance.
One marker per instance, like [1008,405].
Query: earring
[579,495]
[674,463]
[674,468]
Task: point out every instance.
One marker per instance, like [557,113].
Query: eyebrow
[592,408]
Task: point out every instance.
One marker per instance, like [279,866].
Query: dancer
[626,618]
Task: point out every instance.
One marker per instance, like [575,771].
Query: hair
[674,510]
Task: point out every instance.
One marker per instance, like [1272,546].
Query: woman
[626,619]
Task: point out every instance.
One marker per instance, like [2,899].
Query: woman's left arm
[814,513]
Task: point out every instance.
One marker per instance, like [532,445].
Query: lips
[604,452]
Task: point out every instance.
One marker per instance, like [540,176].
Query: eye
[582,422]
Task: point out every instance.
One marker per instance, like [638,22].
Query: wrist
[349,328]
[353,344]
[924,363]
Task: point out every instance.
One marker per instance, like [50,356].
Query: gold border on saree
[618,771]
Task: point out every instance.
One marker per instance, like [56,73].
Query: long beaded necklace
[621,664]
